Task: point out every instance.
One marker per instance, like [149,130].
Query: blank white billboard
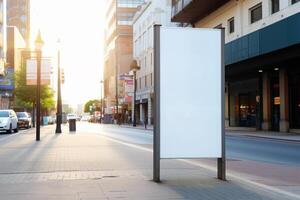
[190,93]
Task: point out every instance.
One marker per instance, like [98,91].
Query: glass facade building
[262,58]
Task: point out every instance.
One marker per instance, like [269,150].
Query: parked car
[85,118]
[24,120]
[52,120]
[8,121]
[71,116]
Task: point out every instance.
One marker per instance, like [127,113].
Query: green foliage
[26,94]
[95,103]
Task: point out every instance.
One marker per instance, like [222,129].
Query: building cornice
[140,12]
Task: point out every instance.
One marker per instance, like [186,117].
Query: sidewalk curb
[137,128]
[264,137]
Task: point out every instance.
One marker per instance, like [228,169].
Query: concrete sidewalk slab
[85,165]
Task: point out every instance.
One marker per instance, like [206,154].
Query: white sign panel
[31,72]
[190,93]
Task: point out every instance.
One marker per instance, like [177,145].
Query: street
[111,162]
[237,147]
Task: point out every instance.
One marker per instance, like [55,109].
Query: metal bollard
[72,125]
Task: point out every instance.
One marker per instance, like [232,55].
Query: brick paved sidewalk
[86,165]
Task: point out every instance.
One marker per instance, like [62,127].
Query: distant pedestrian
[119,119]
[146,122]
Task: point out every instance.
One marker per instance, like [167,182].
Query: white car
[71,116]
[8,121]
[85,118]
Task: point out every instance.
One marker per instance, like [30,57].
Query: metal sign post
[222,161]
[156,138]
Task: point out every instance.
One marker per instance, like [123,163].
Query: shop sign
[129,87]
[277,101]
[7,81]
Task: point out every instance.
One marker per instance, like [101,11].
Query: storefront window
[243,104]
[295,102]
[275,103]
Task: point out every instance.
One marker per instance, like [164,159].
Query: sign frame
[221,162]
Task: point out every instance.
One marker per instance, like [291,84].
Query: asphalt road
[4,135]
[237,147]
[265,150]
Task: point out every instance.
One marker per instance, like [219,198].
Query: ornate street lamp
[39,43]
[59,103]
[134,67]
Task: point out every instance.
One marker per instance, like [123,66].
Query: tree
[96,105]
[26,94]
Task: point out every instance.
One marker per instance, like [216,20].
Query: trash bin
[72,125]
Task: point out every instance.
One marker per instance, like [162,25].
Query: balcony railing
[190,11]
[179,5]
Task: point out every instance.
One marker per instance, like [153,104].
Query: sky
[79,25]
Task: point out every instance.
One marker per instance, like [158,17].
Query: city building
[4,84]
[151,12]
[80,109]
[2,36]
[18,14]
[262,58]
[15,46]
[118,52]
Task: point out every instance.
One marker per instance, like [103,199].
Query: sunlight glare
[80,27]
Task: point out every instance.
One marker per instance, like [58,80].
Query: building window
[274,6]
[231,25]
[140,83]
[151,79]
[295,1]
[145,81]
[255,13]
[125,18]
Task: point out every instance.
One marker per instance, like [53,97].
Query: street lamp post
[134,67]
[101,100]
[38,47]
[59,103]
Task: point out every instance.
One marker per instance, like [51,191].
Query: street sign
[31,72]
[195,57]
